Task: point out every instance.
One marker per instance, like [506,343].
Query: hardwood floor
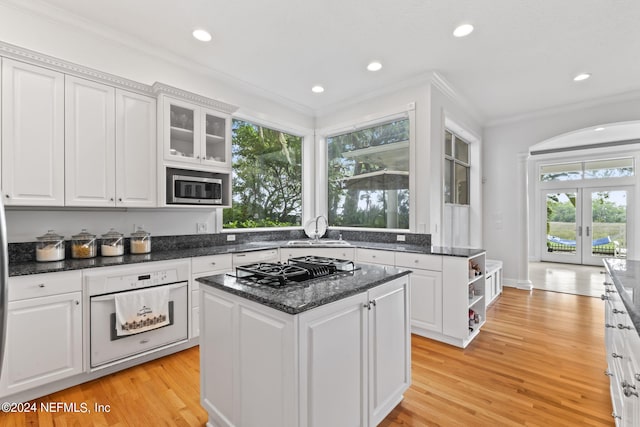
[539,360]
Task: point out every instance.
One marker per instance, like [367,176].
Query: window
[456,169]
[591,169]
[267,178]
[369,177]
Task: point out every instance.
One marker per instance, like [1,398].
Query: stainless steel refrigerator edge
[4,282]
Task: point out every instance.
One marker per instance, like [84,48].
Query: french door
[584,225]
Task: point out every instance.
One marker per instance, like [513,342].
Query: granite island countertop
[27,268]
[626,278]
[300,297]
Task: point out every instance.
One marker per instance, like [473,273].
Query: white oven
[102,285]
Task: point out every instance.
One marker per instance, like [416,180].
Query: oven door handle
[110,297]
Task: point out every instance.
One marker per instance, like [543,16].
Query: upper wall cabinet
[110,150]
[32,135]
[194,134]
[196,131]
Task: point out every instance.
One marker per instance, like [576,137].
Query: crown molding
[446,88]
[567,108]
[25,55]
[164,89]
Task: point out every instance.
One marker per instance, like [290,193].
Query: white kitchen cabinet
[375,256]
[389,347]
[90,149]
[32,135]
[265,255]
[44,331]
[247,362]
[200,267]
[622,344]
[195,135]
[462,299]
[135,171]
[342,252]
[493,281]
[109,146]
[426,291]
[346,363]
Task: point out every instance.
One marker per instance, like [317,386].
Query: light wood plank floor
[539,360]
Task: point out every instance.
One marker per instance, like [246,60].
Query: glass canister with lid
[84,245]
[140,242]
[50,247]
[112,243]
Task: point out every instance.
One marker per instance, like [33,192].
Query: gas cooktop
[296,270]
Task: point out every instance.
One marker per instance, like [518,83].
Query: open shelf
[475,278]
[475,299]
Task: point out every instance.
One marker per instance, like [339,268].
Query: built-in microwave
[188,187]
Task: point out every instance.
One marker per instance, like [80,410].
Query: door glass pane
[182,134]
[215,138]
[561,223]
[448,179]
[609,223]
[461,184]
[462,151]
[448,138]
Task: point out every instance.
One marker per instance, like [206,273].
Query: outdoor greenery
[267,178]
[365,204]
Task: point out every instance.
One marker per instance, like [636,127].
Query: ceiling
[521,58]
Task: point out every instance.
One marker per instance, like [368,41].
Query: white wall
[506,147]
[72,43]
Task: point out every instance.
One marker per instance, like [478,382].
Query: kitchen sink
[319,242]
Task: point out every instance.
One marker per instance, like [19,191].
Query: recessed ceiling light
[581,77]
[598,129]
[202,35]
[463,30]
[374,66]
[317,89]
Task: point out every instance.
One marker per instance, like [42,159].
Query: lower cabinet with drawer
[426,291]
[200,267]
[44,331]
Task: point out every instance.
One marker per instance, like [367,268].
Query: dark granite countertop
[26,268]
[301,297]
[626,278]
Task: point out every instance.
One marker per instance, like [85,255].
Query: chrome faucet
[326,223]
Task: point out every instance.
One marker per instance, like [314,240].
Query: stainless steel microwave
[185,187]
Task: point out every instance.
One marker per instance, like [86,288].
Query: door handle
[587,231]
[579,231]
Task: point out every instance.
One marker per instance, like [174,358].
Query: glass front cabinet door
[196,134]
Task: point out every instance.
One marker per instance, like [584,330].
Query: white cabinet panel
[333,353]
[374,256]
[426,300]
[267,255]
[425,262]
[42,285]
[89,143]
[44,341]
[210,263]
[135,172]
[32,135]
[389,347]
[340,252]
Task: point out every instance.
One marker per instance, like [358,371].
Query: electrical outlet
[400,237]
[231,237]
[201,227]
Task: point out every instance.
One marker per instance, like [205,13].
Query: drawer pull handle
[416,261]
[613,414]
[621,326]
[607,373]
[144,341]
[616,356]
[615,310]
[41,285]
[610,290]
[609,325]
[213,263]
[604,297]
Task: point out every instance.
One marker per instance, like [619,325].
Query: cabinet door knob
[213,263]
[77,302]
[621,326]
[111,199]
[119,199]
[7,196]
[604,297]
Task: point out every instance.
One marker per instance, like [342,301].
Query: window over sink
[267,177]
[368,172]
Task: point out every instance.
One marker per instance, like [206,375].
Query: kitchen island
[330,351]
